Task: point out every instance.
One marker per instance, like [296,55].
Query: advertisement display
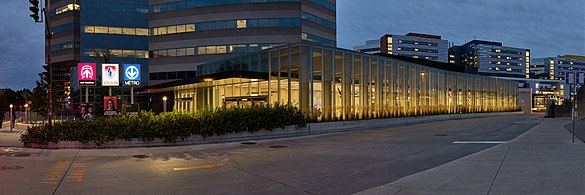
[86,74]
[110,105]
[132,74]
[110,76]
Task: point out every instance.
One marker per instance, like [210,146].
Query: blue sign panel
[132,74]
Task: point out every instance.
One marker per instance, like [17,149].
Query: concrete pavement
[341,163]
[10,138]
[541,161]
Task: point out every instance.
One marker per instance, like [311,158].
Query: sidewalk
[541,161]
[10,138]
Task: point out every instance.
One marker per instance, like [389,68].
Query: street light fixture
[26,112]
[164,103]
[11,118]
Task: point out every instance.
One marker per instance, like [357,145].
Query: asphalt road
[341,163]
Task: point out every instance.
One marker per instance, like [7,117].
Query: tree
[103,55]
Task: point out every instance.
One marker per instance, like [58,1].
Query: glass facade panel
[335,84]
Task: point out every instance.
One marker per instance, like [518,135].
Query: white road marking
[526,122]
[480,142]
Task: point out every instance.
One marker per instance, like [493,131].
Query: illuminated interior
[335,84]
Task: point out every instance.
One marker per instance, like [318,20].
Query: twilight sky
[547,27]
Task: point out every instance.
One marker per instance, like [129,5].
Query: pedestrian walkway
[542,161]
[8,137]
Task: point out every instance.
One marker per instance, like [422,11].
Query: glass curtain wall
[335,84]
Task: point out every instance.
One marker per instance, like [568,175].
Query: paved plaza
[516,154]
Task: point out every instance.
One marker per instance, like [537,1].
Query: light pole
[164,103]
[11,118]
[26,112]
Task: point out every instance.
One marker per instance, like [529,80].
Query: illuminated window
[89,29]
[221,49]
[190,51]
[114,30]
[116,53]
[498,51]
[129,53]
[101,29]
[172,52]
[201,50]
[129,31]
[181,29]
[141,54]
[142,31]
[171,29]
[181,52]
[211,50]
[66,8]
[415,49]
[241,24]
[190,28]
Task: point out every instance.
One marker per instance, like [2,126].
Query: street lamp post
[11,118]
[164,103]
[26,113]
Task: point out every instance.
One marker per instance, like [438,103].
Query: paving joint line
[67,171]
[257,175]
[497,172]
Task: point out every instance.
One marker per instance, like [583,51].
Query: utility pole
[35,8]
[49,36]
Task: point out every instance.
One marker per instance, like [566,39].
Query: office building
[329,83]
[95,31]
[492,58]
[415,45]
[187,33]
[558,68]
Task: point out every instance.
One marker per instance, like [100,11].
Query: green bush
[170,126]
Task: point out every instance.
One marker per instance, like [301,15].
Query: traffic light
[44,79]
[35,10]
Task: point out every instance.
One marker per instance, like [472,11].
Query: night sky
[547,27]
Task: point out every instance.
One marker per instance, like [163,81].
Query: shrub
[170,126]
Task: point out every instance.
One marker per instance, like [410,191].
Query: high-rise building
[98,31]
[415,45]
[558,68]
[187,33]
[492,59]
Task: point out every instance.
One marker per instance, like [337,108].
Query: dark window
[162,76]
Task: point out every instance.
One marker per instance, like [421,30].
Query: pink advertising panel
[86,74]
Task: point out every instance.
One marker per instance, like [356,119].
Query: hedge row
[169,126]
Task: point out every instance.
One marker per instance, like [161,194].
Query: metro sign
[86,74]
[132,74]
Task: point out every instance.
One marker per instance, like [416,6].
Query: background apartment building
[492,59]
[187,33]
